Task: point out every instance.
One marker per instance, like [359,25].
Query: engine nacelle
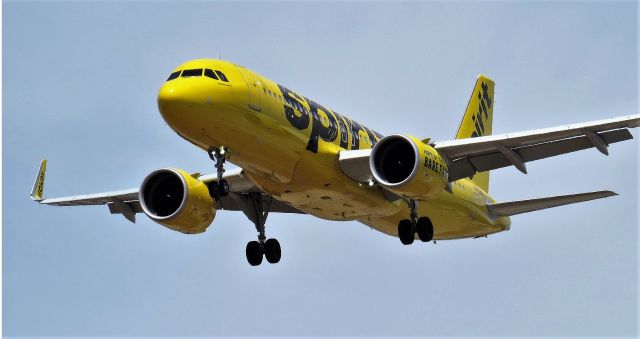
[407,166]
[175,199]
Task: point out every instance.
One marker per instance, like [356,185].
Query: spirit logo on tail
[484,106]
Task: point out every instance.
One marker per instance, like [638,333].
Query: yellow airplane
[297,156]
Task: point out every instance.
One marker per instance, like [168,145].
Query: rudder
[478,120]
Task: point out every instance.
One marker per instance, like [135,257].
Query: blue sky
[79,88]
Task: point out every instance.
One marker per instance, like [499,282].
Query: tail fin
[478,120]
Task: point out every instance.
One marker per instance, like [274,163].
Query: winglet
[37,192]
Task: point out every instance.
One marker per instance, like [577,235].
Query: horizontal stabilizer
[524,206]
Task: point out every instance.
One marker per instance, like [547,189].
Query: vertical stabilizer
[478,120]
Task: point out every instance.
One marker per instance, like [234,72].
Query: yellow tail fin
[37,193]
[478,120]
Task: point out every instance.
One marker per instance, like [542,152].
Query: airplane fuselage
[288,145]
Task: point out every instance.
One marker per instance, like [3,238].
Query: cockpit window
[209,73]
[192,73]
[174,75]
[222,76]
[213,74]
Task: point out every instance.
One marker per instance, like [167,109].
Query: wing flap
[525,206]
[232,203]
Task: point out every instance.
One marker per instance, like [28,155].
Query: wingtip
[37,192]
[605,194]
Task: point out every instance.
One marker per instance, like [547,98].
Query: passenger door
[254,88]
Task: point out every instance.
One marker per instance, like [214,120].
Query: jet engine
[177,200]
[407,166]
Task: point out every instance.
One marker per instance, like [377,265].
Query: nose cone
[179,104]
[171,97]
[186,105]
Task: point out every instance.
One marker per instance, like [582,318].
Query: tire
[424,228]
[405,232]
[254,253]
[272,251]
[223,188]
[213,189]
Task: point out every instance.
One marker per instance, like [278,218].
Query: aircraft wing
[468,156]
[126,202]
[525,206]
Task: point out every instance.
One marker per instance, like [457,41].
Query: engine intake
[407,166]
[394,160]
[175,199]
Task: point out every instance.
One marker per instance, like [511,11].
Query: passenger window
[209,73]
[174,75]
[222,76]
[192,73]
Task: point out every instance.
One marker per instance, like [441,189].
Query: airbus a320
[298,156]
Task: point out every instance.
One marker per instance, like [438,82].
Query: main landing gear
[255,206]
[408,228]
[257,212]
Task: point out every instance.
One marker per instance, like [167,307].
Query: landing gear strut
[219,188]
[257,211]
[255,206]
[408,228]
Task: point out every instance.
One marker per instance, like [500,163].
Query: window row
[213,74]
[272,94]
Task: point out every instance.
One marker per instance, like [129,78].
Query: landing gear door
[254,88]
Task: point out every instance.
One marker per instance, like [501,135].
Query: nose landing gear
[407,228]
[219,188]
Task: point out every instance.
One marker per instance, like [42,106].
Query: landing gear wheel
[424,228]
[405,232]
[223,188]
[220,187]
[213,189]
[254,253]
[272,251]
